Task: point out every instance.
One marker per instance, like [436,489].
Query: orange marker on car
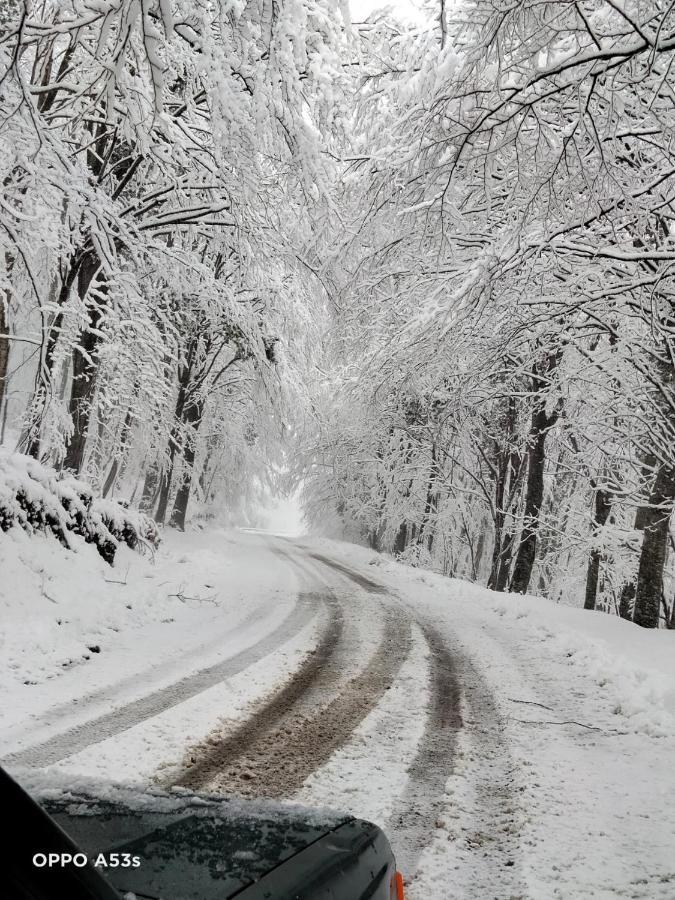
[397,892]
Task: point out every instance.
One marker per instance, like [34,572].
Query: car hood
[190,847]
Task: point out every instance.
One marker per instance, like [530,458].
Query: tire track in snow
[475,804]
[413,823]
[420,813]
[275,751]
[105,726]
[108,694]
[366,583]
[423,801]
[208,759]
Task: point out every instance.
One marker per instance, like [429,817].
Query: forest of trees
[424,271]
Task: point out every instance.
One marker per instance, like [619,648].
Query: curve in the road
[282,744]
[98,729]
[454,682]
[357,577]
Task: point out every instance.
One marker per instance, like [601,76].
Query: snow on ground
[154,750]
[562,782]
[630,667]
[75,629]
[369,772]
[571,795]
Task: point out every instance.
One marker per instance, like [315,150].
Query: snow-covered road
[507,748]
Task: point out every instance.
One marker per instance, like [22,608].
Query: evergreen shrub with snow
[36,497]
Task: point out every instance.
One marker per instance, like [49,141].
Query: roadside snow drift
[37,498]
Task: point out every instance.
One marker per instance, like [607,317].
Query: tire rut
[488,843]
[363,582]
[423,801]
[107,693]
[279,747]
[98,729]
[423,806]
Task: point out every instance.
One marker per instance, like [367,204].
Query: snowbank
[35,497]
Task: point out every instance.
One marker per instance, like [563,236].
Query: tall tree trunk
[536,465]
[193,417]
[479,554]
[626,598]
[500,518]
[206,466]
[509,467]
[184,378]
[655,517]
[426,533]
[167,478]
[4,348]
[180,503]
[627,590]
[4,331]
[150,490]
[505,558]
[111,477]
[654,546]
[85,367]
[401,539]
[30,440]
[602,507]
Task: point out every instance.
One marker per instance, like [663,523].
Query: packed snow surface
[561,782]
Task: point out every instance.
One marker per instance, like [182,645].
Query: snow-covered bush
[36,497]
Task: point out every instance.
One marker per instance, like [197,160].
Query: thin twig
[566,722]
[530,703]
[112,580]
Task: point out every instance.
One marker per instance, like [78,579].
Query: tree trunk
[401,538]
[654,546]
[536,462]
[505,558]
[4,348]
[509,463]
[111,477]
[536,465]
[150,490]
[167,474]
[180,503]
[603,505]
[4,326]
[479,554]
[427,529]
[30,439]
[626,598]
[167,478]
[499,561]
[85,366]
[192,417]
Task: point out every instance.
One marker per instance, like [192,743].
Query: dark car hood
[204,849]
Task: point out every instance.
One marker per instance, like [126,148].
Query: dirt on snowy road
[499,740]
[348,691]
[94,730]
[295,731]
